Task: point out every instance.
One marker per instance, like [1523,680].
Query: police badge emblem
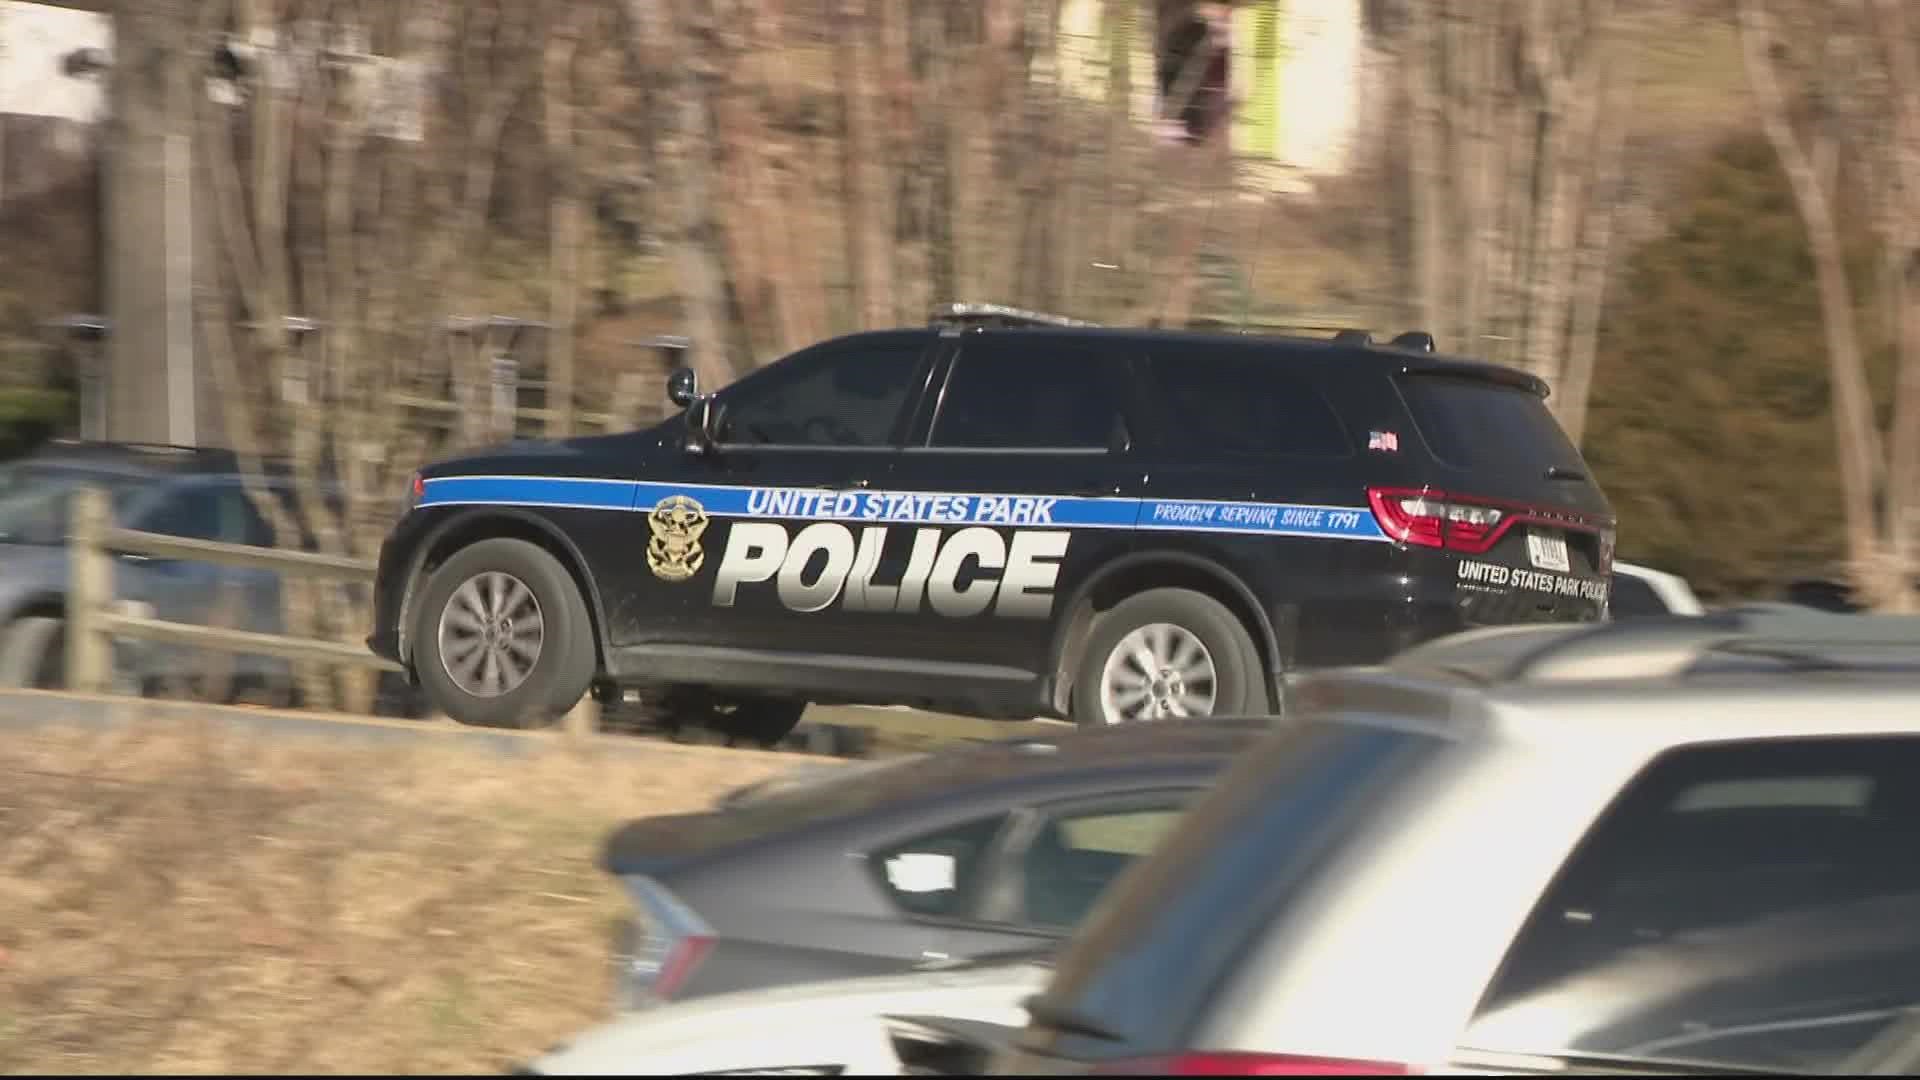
[674,552]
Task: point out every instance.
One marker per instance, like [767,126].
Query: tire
[1225,678]
[34,653]
[765,722]
[531,680]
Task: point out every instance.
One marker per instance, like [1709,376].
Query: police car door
[778,499]
[1017,482]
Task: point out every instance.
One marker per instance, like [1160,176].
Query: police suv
[1004,515]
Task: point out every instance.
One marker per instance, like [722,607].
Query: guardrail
[95,617]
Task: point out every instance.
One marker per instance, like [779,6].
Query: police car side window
[999,398]
[847,398]
[1244,405]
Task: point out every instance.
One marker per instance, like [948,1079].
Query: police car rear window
[1243,406]
[1483,426]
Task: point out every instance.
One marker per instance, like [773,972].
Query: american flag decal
[1383,440]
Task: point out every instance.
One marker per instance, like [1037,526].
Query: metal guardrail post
[89,592]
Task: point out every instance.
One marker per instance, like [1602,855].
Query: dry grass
[174,899]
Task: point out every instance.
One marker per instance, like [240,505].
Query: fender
[467,516]
[1265,638]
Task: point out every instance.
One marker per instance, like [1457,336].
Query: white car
[877,1025]
[1678,846]
[1642,590]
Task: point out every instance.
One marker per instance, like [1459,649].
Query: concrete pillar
[152,393]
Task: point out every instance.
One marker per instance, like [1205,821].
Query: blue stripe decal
[915,507]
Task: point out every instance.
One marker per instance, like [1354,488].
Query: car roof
[131,457]
[135,459]
[1383,355]
[1752,671]
[907,786]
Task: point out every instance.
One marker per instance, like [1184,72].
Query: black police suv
[1104,524]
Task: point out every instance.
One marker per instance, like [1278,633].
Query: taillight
[1606,551]
[1243,1064]
[682,958]
[668,943]
[1436,519]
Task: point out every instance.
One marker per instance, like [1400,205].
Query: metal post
[505,372]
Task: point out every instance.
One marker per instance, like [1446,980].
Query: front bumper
[392,589]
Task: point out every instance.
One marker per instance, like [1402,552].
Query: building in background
[1293,71]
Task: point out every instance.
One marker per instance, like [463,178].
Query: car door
[1019,480]
[1254,470]
[750,544]
[1055,863]
[183,590]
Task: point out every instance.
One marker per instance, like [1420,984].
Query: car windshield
[1145,961]
[34,498]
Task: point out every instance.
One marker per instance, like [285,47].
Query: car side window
[939,874]
[255,531]
[1034,396]
[850,397]
[1632,596]
[1235,405]
[196,512]
[1745,905]
[1075,856]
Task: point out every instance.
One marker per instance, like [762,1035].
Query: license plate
[1548,552]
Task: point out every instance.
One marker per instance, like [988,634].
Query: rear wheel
[502,636]
[1167,654]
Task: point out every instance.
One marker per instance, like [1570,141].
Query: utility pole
[148,216]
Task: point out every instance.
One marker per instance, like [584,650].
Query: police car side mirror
[703,424]
[683,386]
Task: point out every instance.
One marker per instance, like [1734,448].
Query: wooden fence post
[504,373]
[583,718]
[89,592]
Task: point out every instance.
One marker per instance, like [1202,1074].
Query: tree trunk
[1420,63]
[564,219]
[1593,268]
[1852,406]
[681,47]
[1903,301]
[867,196]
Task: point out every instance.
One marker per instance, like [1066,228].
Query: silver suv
[1667,844]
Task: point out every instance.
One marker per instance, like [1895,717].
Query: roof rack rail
[67,441]
[1416,340]
[964,315]
[1669,646]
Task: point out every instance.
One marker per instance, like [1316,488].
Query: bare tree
[1867,103]
[1517,126]
[347,202]
[681,47]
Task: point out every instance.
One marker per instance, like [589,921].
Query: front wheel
[1166,654]
[502,636]
[34,653]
